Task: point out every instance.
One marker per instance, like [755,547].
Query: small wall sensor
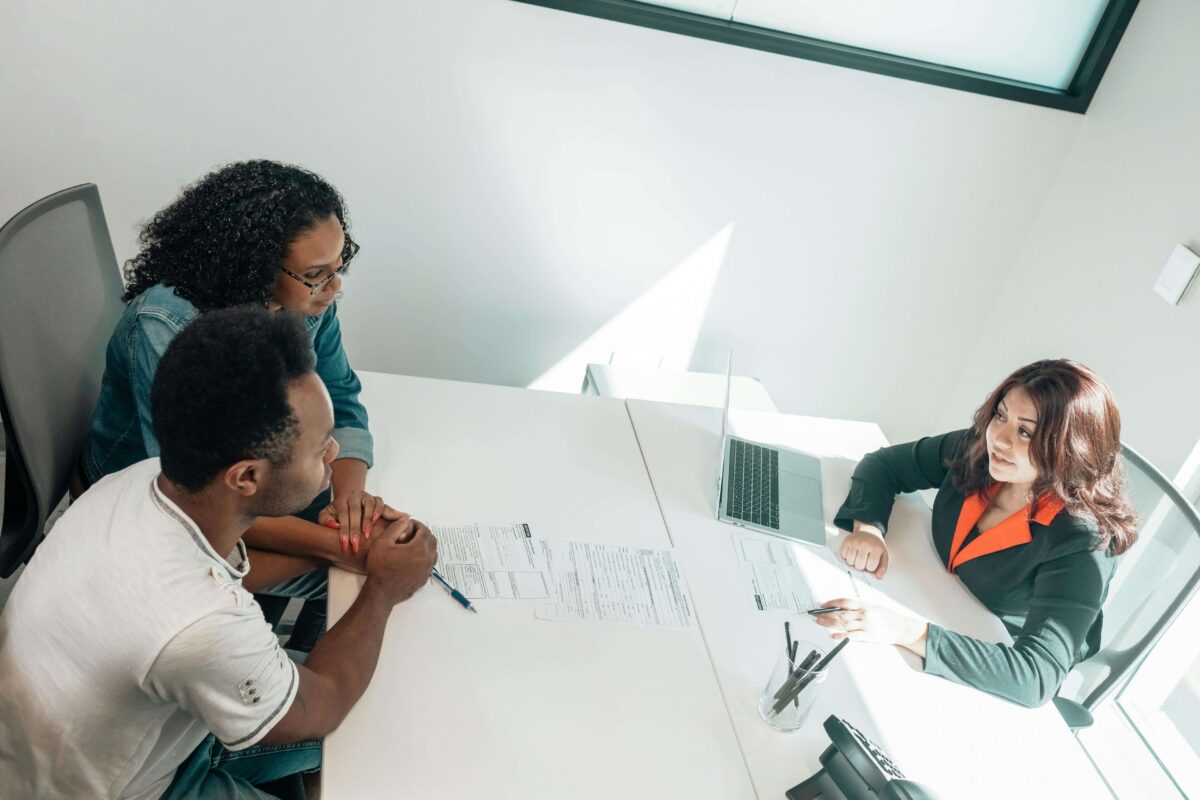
[1177,274]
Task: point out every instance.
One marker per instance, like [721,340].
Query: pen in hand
[455,593]
[816,611]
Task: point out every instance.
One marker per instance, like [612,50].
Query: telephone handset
[855,768]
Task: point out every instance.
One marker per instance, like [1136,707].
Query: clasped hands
[864,549]
[354,514]
[357,515]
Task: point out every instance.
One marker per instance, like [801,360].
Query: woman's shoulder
[162,302]
[947,448]
[1073,534]
[955,442]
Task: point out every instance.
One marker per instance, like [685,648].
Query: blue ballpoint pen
[455,593]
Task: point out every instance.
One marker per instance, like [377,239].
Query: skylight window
[1047,52]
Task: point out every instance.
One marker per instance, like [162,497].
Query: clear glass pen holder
[791,690]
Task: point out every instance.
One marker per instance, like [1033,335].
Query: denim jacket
[121,432]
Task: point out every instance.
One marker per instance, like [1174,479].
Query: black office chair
[60,302]
[1153,582]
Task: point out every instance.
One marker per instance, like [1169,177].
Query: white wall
[517,176]
[1083,285]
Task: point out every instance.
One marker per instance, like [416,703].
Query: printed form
[775,581]
[617,585]
[492,561]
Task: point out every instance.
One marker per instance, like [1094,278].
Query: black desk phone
[856,769]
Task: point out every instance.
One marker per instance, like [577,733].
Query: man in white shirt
[134,662]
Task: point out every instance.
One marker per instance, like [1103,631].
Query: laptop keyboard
[753,491]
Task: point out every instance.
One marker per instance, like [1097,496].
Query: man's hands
[864,549]
[401,556]
[870,622]
[401,528]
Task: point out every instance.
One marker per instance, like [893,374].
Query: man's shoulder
[139,474]
[121,524]
[110,500]
[115,555]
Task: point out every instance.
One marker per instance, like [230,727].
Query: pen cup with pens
[793,687]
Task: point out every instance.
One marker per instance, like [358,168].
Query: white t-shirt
[124,643]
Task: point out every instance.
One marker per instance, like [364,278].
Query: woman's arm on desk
[878,478]
[890,471]
[868,622]
[864,549]
[1067,597]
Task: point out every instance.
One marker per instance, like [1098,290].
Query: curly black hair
[220,393]
[221,243]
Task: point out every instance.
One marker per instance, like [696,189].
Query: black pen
[797,673]
[808,661]
[455,593]
[812,612]
[807,679]
[803,669]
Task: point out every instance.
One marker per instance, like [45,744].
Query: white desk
[501,704]
[959,741]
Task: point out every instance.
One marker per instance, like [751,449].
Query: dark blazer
[1048,591]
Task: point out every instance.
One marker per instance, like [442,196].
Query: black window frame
[1075,98]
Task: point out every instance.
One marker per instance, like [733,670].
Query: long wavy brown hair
[1076,447]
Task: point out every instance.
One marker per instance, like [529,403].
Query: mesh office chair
[1153,582]
[60,302]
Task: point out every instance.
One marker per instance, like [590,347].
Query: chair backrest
[1154,580]
[60,302]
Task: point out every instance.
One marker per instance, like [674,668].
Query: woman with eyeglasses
[250,233]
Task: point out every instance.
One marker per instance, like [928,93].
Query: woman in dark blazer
[1031,512]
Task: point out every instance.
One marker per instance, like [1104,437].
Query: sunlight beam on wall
[664,321]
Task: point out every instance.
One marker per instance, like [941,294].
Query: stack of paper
[582,581]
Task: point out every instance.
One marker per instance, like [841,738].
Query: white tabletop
[501,704]
[960,742]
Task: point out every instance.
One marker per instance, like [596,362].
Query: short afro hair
[223,240]
[220,393]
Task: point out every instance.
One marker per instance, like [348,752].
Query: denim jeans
[213,773]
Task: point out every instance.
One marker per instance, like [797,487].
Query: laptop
[768,488]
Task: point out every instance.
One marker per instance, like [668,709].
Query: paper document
[775,580]
[614,584]
[492,561]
